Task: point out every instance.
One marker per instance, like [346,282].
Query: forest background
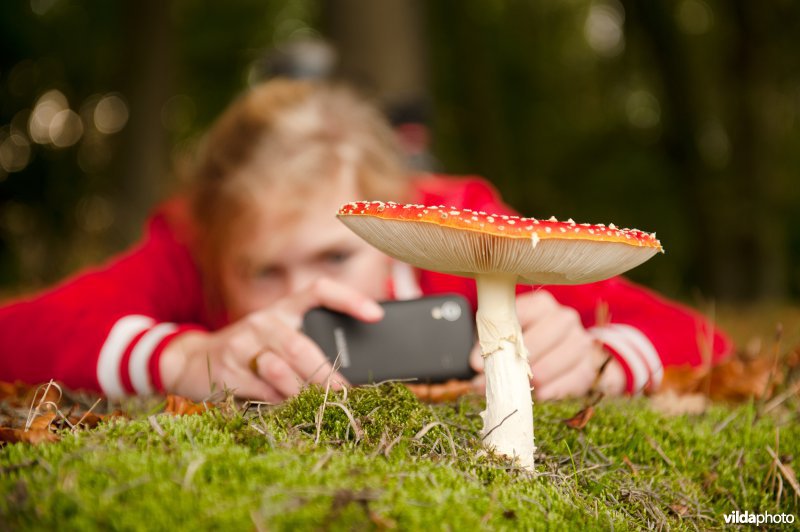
[680,117]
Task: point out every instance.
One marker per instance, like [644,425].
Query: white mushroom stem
[508,418]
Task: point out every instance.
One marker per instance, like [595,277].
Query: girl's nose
[299,280]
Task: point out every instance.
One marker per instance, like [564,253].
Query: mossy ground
[401,463]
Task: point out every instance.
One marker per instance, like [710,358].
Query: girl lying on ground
[214,294]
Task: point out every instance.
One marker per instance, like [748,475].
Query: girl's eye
[267,272]
[336,257]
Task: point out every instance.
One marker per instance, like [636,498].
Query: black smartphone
[428,339]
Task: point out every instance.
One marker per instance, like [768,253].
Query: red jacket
[105,329]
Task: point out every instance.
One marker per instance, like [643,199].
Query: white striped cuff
[141,336]
[636,349]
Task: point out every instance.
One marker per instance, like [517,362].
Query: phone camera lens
[451,311]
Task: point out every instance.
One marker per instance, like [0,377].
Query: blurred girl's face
[272,258]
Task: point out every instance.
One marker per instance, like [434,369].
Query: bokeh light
[94,214]
[694,16]
[41,7]
[603,29]
[47,107]
[65,129]
[110,114]
[642,109]
[15,151]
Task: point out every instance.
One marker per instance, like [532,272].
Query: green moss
[286,467]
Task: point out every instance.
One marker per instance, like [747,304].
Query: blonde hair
[290,135]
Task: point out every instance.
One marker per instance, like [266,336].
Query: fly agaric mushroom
[499,251]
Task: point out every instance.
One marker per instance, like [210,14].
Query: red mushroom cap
[539,251]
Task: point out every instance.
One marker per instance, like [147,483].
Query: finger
[534,306]
[476,358]
[275,371]
[336,296]
[246,385]
[571,384]
[300,353]
[573,352]
[549,331]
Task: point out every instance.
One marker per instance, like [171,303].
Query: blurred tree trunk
[680,126]
[760,246]
[146,80]
[737,245]
[381,46]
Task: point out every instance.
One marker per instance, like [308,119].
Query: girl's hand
[564,357]
[263,355]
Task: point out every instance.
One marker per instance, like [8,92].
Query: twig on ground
[321,412]
[388,381]
[631,466]
[322,461]
[779,399]
[725,422]
[424,430]
[78,424]
[359,432]
[35,411]
[391,445]
[657,448]
[791,478]
[156,427]
[773,373]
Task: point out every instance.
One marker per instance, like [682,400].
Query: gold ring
[253,364]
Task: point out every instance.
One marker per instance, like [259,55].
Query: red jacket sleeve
[644,331]
[106,328]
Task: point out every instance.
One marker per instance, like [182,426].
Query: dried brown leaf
[181,406]
[709,479]
[33,436]
[679,509]
[441,392]
[88,420]
[579,420]
[735,379]
[43,422]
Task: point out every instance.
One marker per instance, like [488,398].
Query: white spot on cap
[552,219]
[534,239]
